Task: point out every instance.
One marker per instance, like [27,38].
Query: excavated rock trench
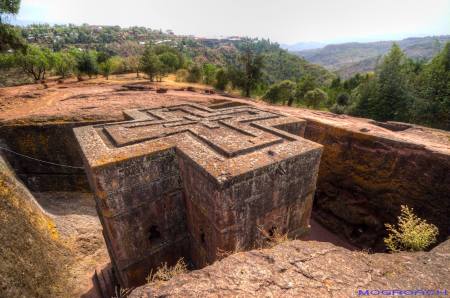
[363,180]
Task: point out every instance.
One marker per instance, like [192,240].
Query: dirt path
[79,227]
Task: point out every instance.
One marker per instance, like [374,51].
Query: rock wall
[310,269]
[31,258]
[54,142]
[364,178]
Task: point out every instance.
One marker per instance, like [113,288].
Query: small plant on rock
[411,233]
[165,273]
[272,237]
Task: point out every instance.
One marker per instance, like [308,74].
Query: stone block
[190,181]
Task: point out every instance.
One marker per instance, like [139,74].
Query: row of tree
[38,62]
[400,89]
[405,90]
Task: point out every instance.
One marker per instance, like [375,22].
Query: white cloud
[281,20]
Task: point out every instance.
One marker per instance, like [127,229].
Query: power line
[39,160]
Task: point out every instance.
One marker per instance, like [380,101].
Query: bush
[209,73]
[222,79]
[411,233]
[342,99]
[281,92]
[64,64]
[87,63]
[150,64]
[35,61]
[165,273]
[314,98]
[338,109]
[106,68]
[195,74]
[181,75]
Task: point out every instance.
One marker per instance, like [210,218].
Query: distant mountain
[348,59]
[300,46]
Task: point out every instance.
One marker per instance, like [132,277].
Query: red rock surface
[309,269]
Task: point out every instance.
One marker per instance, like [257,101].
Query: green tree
[195,74]
[366,94]
[35,61]
[64,65]
[433,107]
[106,68]
[314,98]
[392,101]
[305,84]
[283,92]
[150,64]
[209,73]
[222,79]
[340,107]
[131,63]
[162,49]
[169,63]
[7,60]
[86,63]
[9,36]
[336,83]
[343,99]
[250,69]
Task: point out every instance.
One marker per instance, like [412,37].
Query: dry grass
[268,239]
[271,238]
[165,273]
[122,293]
[32,260]
[221,253]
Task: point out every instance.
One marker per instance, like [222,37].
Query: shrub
[209,73]
[35,61]
[338,109]
[222,79]
[181,75]
[165,273]
[195,74]
[343,99]
[64,64]
[150,64]
[281,92]
[106,68]
[86,63]
[314,98]
[271,238]
[411,233]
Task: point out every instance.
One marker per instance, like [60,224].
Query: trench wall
[50,142]
[363,181]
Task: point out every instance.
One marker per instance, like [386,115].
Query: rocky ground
[310,269]
[77,223]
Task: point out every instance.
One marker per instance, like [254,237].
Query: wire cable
[39,160]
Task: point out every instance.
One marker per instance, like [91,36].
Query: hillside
[114,40]
[349,58]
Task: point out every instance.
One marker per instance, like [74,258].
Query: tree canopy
[9,36]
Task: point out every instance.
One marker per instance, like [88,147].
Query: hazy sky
[284,21]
